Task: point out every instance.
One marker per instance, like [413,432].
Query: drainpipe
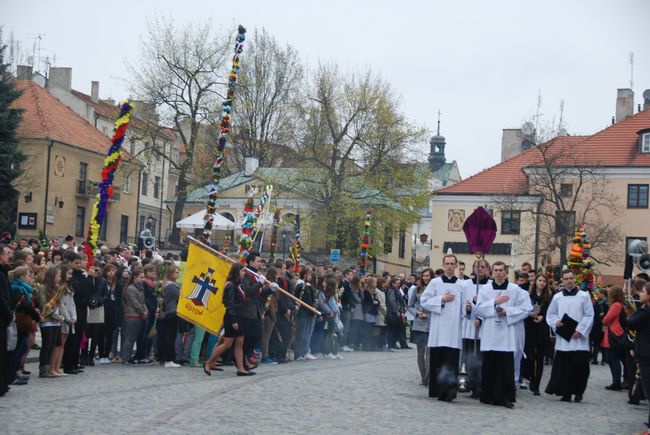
[162,189]
[47,186]
[539,206]
[137,209]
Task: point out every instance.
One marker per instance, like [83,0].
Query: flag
[204,279]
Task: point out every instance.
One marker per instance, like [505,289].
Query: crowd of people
[479,333]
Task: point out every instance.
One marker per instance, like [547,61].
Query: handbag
[616,342]
[184,325]
[12,336]
[24,323]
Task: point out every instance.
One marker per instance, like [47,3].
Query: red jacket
[612,322]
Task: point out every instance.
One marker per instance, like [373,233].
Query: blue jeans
[315,344]
[614,361]
[304,331]
[331,338]
[131,330]
[145,343]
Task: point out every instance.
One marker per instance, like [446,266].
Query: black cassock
[443,375]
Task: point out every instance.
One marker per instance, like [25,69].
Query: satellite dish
[637,247]
[646,94]
[528,129]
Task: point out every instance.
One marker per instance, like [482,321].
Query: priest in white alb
[444,298]
[570,315]
[471,355]
[501,305]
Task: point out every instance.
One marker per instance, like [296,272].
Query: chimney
[94,92]
[646,99]
[510,143]
[252,163]
[624,104]
[23,72]
[61,77]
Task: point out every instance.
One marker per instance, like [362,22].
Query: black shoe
[36,347]
[25,372]
[19,381]
[129,363]
[91,362]
[508,404]
[536,393]
[566,398]
[406,347]
[578,398]
[145,362]
[71,372]
[634,402]
[245,373]
[614,387]
[625,385]
[594,362]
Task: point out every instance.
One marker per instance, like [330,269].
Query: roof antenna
[632,71]
[438,122]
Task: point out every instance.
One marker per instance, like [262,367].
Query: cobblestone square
[367,393]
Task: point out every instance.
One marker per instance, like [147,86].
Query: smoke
[447,377]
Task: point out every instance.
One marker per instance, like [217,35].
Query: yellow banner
[201,299]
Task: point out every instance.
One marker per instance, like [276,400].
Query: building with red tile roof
[616,160]
[65,155]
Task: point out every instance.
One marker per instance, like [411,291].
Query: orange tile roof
[110,111]
[45,117]
[615,146]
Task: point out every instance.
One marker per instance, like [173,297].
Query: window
[565,222]
[402,241]
[566,190]
[132,146]
[637,196]
[463,248]
[141,226]
[127,183]
[388,239]
[645,143]
[510,222]
[145,183]
[83,171]
[156,187]
[102,229]
[80,222]
[124,229]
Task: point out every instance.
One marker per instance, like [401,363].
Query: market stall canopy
[196,221]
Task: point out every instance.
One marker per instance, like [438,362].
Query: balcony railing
[91,188]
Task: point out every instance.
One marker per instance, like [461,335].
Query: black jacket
[233,300]
[285,303]
[255,296]
[347,300]
[640,322]
[6,310]
[305,292]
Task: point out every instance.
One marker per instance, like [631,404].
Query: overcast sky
[482,63]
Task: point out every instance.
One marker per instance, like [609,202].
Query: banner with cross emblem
[201,299]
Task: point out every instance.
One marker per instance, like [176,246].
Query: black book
[568,328]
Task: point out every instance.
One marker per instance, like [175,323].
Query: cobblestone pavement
[367,393]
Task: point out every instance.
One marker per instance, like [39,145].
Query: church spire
[437,152]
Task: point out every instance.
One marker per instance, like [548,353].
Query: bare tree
[572,190]
[181,69]
[351,138]
[269,80]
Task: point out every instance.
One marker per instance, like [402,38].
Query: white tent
[196,221]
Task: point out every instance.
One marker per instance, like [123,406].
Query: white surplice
[470,331]
[498,333]
[446,317]
[577,305]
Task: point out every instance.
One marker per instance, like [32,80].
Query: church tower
[437,151]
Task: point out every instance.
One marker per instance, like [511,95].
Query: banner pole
[226,258]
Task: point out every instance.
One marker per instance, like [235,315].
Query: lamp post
[284,244]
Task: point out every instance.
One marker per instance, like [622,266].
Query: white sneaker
[171,364]
[300,358]
[319,356]
[347,349]
[330,356]
[310,357]
[338,356]
[104,361]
